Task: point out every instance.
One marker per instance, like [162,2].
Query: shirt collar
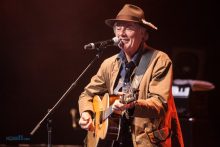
[135,59]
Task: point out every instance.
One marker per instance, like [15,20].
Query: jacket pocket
[160,135]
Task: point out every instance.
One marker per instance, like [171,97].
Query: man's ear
[146,36]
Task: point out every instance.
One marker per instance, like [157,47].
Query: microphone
[102,44]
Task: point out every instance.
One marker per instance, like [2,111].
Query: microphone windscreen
[116,40]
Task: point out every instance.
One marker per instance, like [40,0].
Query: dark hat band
[128,17]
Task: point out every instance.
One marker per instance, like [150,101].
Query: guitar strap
[142,67]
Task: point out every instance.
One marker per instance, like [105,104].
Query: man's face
[131,35]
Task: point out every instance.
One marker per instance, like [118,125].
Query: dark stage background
[41,45]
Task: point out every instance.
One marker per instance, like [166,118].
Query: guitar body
[109,127]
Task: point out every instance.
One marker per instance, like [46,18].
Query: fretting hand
[118,106]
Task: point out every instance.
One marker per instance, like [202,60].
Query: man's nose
[122,32]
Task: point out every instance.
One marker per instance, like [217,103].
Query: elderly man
[150,118]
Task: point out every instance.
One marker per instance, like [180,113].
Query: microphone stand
[50,111]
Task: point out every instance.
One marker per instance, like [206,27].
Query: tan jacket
[155,118]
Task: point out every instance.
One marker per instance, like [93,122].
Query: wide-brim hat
[131,13]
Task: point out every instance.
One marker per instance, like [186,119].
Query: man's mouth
[125,41]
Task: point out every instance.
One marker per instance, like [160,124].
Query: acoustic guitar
[107,123]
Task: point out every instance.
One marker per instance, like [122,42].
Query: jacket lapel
[114,73]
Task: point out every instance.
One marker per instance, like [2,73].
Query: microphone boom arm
[73,85]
